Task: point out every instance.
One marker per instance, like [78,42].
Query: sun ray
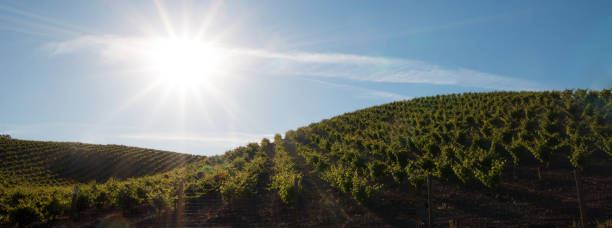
[182,111]
[224,101]
[161,10]
[39,28]
[154,111]
[50,22]
[212,13]
[197,95]
[128,103]
[133,99]
[187,65]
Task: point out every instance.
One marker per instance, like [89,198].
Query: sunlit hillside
[483,159]
[26,162]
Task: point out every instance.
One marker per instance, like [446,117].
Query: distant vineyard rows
[58,163]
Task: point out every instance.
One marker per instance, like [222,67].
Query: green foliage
[377,170]
[160,200]
[463,171]
[608,146]
[467,137]
[288,184]
[38,163]
[317,161]
[54,208]
[101,200]
[490,177]
[340,178]
[579,155]
[350,181]
[127,199]
[286,179]
[397,172]
[25,204]
[470,136]
[243,182]
[24,214]
[83,200]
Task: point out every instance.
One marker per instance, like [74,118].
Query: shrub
[15,198]
[288,183]
[141,193]
[83,201]
[462,171]
[160,201]
[127,200]
[243,182]
[24,214]
[54,209]
[338,177]
[377,170]
[101,199]
[234,186]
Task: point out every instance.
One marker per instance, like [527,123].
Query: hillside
[60,163]
[488,159]
[501,158]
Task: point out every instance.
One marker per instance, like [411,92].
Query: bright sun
[184,62]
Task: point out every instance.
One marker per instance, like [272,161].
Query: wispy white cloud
[337,65]
[366,92]
[382,69]
[392,96]
[112,49]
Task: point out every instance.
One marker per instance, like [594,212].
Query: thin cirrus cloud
[114,49]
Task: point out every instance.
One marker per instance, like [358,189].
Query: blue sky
[82,70]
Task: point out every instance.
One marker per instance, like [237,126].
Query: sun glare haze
[312,113]
[184,62]
[205,76]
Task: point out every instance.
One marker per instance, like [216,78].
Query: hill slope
[492,159]
[58,163]
[503,157]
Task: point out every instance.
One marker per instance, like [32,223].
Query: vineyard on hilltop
[478,159]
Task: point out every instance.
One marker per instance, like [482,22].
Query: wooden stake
[429,201]
[580,197]
[73,205]
[180,206]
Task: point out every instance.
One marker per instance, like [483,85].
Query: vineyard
[59,163]
[488,142]
[478,159]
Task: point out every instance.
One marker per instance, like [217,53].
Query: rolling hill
[26,162]
[479,159]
